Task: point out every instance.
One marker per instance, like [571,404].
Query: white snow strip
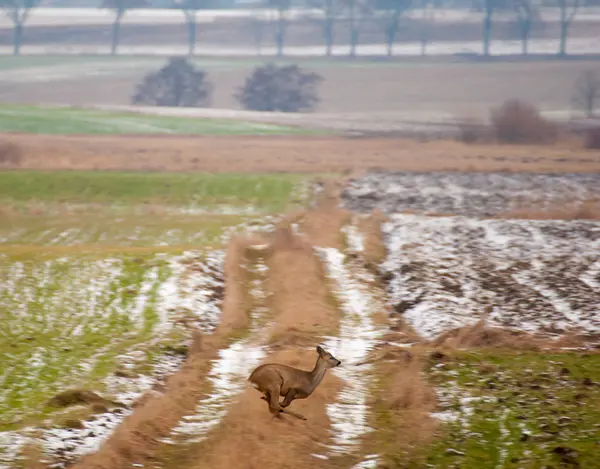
[357,337]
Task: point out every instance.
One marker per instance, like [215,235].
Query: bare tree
[282,7]
[428,8]
[393,10]
[259,20]
[489,8]
[358,12]
[18,11]
[587,92]
[190,9]
[568,10]
[330,10]
[120,7]
[527,14]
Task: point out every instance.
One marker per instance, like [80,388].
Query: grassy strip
[48,120]
[106,232]
[262,191]
[65,334]
[529,410]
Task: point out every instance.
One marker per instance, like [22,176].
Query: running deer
[274,380]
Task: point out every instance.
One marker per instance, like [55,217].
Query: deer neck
[317,374]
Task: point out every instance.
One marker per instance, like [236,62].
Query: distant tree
[190,9]
[393,10]
[527,14]
[178,83]
[428,8]
[587,92]
[286,89]
[282,7]
[120,7]
[330,10]
[489,7]
[260,18]
[18,11]
[358,11]
[568,10]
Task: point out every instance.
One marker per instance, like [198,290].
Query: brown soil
[301,307]
[292,154]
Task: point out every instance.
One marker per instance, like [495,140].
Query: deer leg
[272,398]
[289,397]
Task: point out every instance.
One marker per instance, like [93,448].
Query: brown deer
[274,380]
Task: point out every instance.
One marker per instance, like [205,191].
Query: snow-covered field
[79,317]
[538,276]
[580,46]
[469,194]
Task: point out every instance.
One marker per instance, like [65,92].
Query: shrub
[178,83]
[586,95]
[592,138]
[10,154]
[520,122]
[273,88]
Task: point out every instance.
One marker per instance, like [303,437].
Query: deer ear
[320,351]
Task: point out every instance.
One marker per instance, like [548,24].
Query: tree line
[389,14]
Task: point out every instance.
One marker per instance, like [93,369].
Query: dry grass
[323,224]
[300,299]
[303,311]
[586,210]
[480,335]
[249,437]
[10,155]
[237,301]
[403,401]
[137,438]
[517,121]
[306,154]
[375,250]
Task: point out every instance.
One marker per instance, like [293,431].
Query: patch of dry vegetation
[374,246]
[480,335]
[308,154]
[302,311]
[323,224]
[300,299]
[518,121]
[137,438]
[10,155]
[402,403]
[237,298]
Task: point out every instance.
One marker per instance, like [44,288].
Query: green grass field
[55,120]
[519,410]
[93,271]
[268,192]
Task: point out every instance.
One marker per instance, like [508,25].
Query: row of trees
[389,14]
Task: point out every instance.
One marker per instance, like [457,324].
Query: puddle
[229,372]
[357,337]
